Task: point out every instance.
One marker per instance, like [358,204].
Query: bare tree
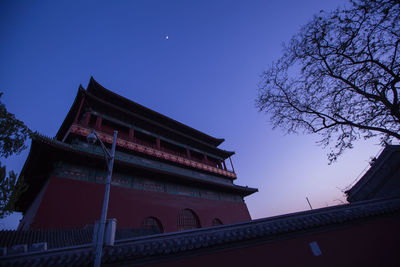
[339,77]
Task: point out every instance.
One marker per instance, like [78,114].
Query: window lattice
[187,220]
[216,222]
[152,223]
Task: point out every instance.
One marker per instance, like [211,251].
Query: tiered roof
[104,100]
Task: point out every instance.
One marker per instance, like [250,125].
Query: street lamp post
[109,156]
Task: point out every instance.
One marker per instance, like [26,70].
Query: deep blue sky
[205,75]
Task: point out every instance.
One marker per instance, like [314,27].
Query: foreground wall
[365,233]
[364,243]
[68,203]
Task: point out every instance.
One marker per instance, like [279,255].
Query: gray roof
[149,248]
[381,180]
[58,238]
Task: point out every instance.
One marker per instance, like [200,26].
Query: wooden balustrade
[151,149]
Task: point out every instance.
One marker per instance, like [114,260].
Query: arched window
[152,223]
[216,222]
[187,219]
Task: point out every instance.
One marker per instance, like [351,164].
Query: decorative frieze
[66,170]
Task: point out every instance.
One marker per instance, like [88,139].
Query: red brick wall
[71,203]
[372,243]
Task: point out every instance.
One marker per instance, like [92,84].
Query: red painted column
[158,143]
[223,162]
[98,122]
[219,164]
[131,134]
[233,169]
[188,153]
[87,119]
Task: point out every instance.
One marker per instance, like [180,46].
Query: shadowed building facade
[166,175]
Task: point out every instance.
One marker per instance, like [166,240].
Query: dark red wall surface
[71,203]
[374,243]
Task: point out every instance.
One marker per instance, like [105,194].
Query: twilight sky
[204,75]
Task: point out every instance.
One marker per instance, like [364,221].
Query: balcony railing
[152,150]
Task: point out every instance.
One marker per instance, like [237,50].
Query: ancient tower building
[166,174]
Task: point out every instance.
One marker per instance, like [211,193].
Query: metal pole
[100,233]
[309,202]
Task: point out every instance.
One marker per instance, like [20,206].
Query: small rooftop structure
[381,180]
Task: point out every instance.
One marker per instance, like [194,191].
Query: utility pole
[109,156]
